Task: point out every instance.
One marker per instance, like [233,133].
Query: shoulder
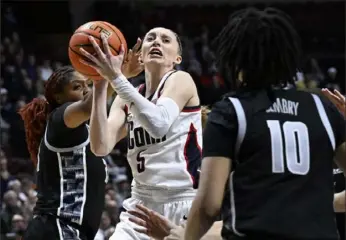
[223,112]
[57,115]
[180,77]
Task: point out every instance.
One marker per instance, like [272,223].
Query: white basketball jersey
[173,161]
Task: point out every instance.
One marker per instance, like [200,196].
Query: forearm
[198,223]
[340,202]
[155,118]
[98,121]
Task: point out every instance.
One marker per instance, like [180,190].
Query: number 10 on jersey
[291,143]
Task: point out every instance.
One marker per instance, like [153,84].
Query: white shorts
[175,207]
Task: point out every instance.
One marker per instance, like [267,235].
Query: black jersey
[282,144]
[339,186]
[70,178]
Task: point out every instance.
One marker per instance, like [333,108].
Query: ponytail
[34,115]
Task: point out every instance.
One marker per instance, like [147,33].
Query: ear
[178,60]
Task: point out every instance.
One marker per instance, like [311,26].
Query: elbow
[99,150]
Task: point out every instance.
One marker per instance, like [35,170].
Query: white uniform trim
[324,119]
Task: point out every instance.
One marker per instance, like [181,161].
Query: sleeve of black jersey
[336,120]
[57,117]
[220,134]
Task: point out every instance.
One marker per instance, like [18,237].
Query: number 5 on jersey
[291,143]
[140,162]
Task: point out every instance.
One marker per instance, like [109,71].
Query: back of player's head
[35,113]
[261,45]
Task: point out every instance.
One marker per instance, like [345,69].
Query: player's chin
[154,60]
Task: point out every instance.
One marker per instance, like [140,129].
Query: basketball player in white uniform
[162,119]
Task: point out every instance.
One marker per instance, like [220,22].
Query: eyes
[79,86]
[164,39]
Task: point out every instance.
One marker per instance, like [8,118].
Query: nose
[156,42]
[86,90]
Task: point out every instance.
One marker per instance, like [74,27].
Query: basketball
[80,40]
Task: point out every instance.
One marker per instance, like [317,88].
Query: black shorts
[43,227]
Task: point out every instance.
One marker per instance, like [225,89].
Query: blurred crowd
[23,76]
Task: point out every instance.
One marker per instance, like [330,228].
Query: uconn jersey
[282,144]
[70,178]
[170,162]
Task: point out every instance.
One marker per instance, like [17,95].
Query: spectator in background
[45,70]
[12,207]
[19,225]
[5,175]
[31,67]
[106,229]
[332,81]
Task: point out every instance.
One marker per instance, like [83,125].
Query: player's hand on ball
[152,224]
[104,62]
[337,99]
[133,65]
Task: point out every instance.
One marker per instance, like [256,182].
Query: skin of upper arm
[180,87]
[78,112]
[340,157]
[214,174]
[117,122]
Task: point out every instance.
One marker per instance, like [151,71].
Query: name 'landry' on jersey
[172,161]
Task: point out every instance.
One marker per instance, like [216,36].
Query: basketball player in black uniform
[275,145]
[70,178]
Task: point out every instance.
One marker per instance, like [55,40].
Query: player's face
[76,89]
[160,45]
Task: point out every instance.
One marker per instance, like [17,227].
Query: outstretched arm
[158,227]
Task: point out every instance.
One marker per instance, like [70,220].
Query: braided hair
[35,113]
[261,45]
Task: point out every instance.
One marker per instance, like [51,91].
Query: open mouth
[155,52]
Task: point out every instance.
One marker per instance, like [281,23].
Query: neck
[153,77]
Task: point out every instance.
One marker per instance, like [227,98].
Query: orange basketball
[80,39]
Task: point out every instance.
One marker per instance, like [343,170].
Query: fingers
[139,215]
[338,94]
[122,50]
[332,97]
[137,46]
[138,221]
[144,209]
[94,66]
[90,57]
[106,47]
[97,49]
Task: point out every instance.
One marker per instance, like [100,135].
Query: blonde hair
[205,111]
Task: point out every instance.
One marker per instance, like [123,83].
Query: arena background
[34,41]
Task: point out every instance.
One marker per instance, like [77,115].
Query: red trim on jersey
[140,89]
[192,133]
[191,109]
[126,110]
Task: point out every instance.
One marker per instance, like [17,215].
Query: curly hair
[36,112]
[262,45]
